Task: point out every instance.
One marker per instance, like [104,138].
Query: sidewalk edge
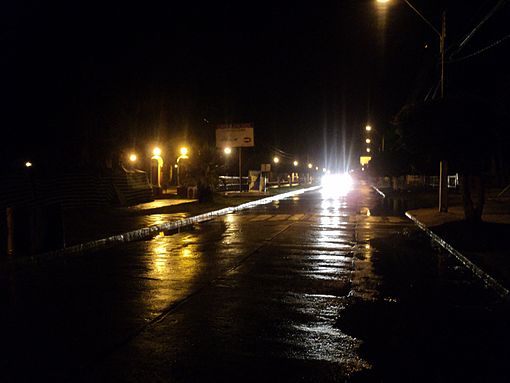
[486,278]
[378,191]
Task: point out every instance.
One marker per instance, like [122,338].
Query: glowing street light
[184,155]
[368,140]
[227,150]
[156,151]
[316,168]
[324,170]
[368,150]
[310,166]
[368,128]
[28,164]
[276,160]
[383,1]
[156,167]
[296,163]
[133,157]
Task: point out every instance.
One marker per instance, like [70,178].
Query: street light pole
[184,155]
[240,171]
[442,36]
[443,164]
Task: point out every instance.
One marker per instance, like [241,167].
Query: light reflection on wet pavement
[256,296]
[281,303]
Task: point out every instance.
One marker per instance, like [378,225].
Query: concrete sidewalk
[84,225]
[89,229]
[485,245]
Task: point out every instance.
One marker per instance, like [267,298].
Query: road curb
[378,191]
[146,232]
[486,278]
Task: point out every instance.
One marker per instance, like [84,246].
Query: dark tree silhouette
[461,130]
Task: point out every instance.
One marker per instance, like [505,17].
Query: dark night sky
[308,75]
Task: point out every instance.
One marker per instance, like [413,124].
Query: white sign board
[234,136]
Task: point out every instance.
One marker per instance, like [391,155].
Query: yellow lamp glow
[227,150]
[156,151]
[296,163]
[28,164]
[133,157]
[368,128]
[368,140]
[184,151]
[276,160]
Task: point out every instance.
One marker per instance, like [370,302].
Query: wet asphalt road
[311,288]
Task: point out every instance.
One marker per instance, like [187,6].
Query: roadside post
[235,136]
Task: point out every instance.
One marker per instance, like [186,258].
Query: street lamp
[227,150]
[310,166]
[28,164]
[156,178]
[184,155]
[441,34]
[156,151]
[296,163]
[371,131]
[443,165]
[276,160]
[133,157]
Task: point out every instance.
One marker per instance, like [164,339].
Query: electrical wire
[478,26]
[480,50]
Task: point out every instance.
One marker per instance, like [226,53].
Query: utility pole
[443,165]
[240,172]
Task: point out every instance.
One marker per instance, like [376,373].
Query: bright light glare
[368,128]
[310,166]
[184,151]
[296,163]
[334,185]
[28,164]
[227,150]
[276,160]
[132,157]
[383,1]
[156,151]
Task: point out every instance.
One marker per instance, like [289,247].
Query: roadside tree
[461,130]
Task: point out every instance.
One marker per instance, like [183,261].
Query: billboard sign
[234,136]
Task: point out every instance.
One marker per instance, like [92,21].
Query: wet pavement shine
[312,288]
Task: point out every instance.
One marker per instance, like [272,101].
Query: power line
[478,26]
[480,50]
